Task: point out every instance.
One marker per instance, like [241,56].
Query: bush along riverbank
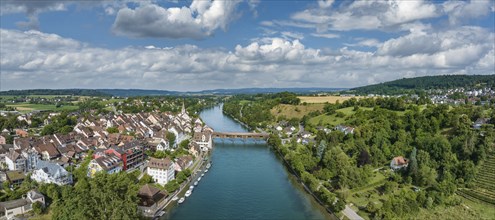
[330,201]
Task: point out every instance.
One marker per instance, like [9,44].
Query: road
[351,214]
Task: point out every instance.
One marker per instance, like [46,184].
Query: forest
[254,110]
[420,84]
[444,152]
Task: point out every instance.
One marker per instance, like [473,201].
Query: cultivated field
[25,107]
[325,99]
[295,111]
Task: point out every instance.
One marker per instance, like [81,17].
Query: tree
[413,164]
[338,206]
[38,208]
[171,138]
[184,144]
[145,179]
[171,186]
[321,149]
[106,196]
[364,158]
[112,130]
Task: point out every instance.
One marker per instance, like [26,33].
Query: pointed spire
[183,107]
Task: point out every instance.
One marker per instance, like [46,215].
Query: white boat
[188,193]
[181,200]
[208,166]
[202,174]
[206,171]
[161,213]
[191,188]
[175,198]
[199,179]
[196,183]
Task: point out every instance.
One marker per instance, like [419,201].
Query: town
[166,148]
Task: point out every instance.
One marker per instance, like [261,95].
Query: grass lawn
[111,101]
[25,107]
[333,120]
[326,120]
[361,196]
[466,210]
[295,111]
[47,216]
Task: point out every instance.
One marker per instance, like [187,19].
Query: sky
[209,44]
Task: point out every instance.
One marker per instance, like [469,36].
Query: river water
[245,181]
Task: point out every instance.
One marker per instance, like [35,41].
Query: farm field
[25,107]
[295,111]
[325,99]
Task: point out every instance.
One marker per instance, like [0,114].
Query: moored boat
[175,198]
[188,193]
[196,183]
[181,200]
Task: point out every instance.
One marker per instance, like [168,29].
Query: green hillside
[415,85]
[484,189]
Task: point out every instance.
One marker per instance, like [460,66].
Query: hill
[56,92]
[415,85]
[146,92]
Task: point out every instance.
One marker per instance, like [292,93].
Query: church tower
[183,108]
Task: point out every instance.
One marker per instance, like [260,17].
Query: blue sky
[202,44]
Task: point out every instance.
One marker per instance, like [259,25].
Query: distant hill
[414,85]
[137,92]
[143,92]
[61,92]
[269,90]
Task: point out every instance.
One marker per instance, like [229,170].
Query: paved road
[351,214]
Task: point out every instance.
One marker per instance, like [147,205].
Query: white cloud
[325,35]
[197,21]
[365,43]
[463,11]
[325,3]
[292,35]
[57,62]
[366,15]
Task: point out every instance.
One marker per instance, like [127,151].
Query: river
[246,181]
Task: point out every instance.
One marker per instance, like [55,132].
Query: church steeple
[183,107]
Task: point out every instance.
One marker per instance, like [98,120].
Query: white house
[47,172]
[15,161]
[9,209]
[161,170]
[163,145]
[203,139]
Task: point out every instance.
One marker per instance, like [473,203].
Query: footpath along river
[245,181]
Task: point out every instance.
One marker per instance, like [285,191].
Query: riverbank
[196,173]
[299,180]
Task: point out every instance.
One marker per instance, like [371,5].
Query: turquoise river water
[245,181]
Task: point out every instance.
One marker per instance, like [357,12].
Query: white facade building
[161,170]
[47,172]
